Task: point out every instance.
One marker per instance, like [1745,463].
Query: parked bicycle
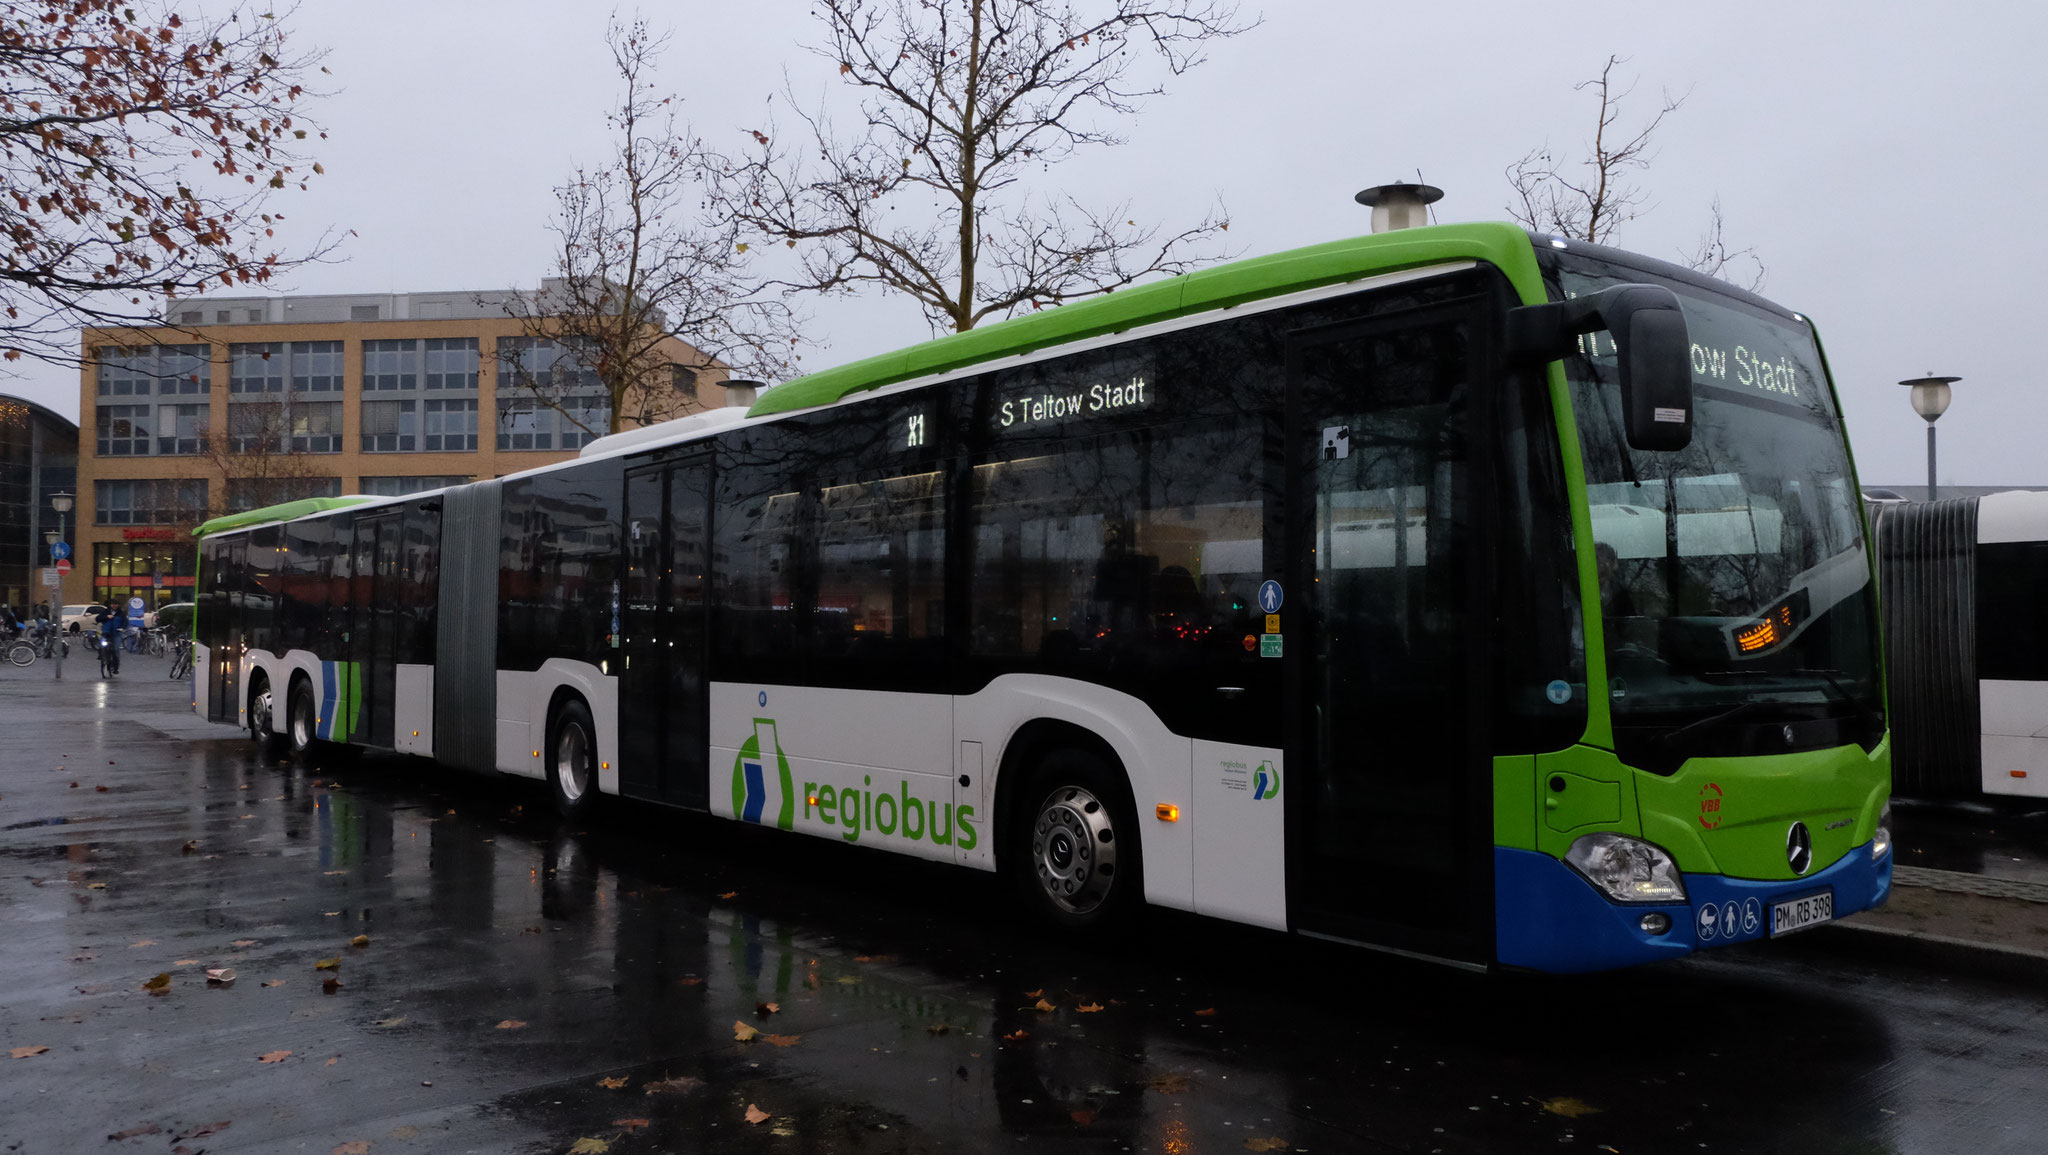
[38,639]
[181,658]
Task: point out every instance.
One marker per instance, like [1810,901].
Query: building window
[158,572]
[147,369]
[528,423]
[391,365]
[316,366]
[451,425]
[400,486]
[363,312]
[451,364]
[256,368]
[181,429]
[256,426]
[315,426]
[390,426]
[247,493]
[122,430]
[165,501]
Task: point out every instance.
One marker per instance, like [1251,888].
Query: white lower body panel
[2015,725]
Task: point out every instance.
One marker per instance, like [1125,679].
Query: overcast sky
[1883,158]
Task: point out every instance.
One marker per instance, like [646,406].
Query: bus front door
[226,563]
[663,692]
[1387,825]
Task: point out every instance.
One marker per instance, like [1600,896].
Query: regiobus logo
[763,792]
[1265,782]
[755,790]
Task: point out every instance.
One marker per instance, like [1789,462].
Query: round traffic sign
[60,550]
[63,566]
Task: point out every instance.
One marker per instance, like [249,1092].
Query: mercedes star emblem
[1799,848]
[1790,735]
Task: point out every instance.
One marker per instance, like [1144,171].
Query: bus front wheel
[572,761]
[1074,846]
[261,729]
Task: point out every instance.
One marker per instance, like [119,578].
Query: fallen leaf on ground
[360,940]
[630,1124]
[329,985]
[766,1009]
[392,1022]
[243,943]
[730,894]
[1019,1035]
[1274,1143]
[1037,994]
[274,983]
[743,1033]
[692,981]
[144,942]
[25,1052]
[330,873]
[189,847]
[848,980]
[1083,1116]
[102,789]
[161,982]
[939,1028]
[781,1040]
[511,1024]
[219,976]
[328,964]
[270,1057]
[1043,1007]
[203,1130]
[1088,1008]
[332,1061]
[589,1147]
[1568,1107]
[1206,1012]
[353,1147]
[757,1115]
[132,1132]
[612,1082]
[186,962]
[1168,1084]
[675,1086]
[95,886]
[405,1132]
[874,958]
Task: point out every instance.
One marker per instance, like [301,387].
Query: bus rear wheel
[1074,847]
[301,723]
[572,759]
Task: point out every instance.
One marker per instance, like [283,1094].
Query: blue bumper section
[1548,918]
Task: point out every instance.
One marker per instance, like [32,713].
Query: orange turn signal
[1167,812]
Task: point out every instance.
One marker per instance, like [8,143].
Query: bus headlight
[1627,869]
[1881,842]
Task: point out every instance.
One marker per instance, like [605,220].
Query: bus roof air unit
[1399,206]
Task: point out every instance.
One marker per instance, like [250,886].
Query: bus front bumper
[1548,918]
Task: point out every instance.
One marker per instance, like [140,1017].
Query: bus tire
[302,722]
[262,729]
[1073,844]
[572,759]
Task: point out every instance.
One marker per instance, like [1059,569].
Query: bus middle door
[663,687]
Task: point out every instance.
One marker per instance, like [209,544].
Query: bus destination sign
[1052,408]
[1713,365]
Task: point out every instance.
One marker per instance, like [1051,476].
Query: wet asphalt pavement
[525,985]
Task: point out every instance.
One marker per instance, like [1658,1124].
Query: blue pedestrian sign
[59,551]
[1270,597]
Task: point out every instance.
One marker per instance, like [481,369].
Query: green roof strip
[1505,246]
[284,512]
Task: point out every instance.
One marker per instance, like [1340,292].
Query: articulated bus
[1487,597]
[1967,642]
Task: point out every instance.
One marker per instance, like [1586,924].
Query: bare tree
[1591,198]
[271,454]
[650,295]
[138,155]
[960,100]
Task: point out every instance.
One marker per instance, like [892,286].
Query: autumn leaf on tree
[273,1056]
[743,1033]
[757,1115]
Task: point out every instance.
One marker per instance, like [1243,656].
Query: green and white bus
[1368,591]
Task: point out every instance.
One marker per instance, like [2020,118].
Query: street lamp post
[61,502]
[1930,400]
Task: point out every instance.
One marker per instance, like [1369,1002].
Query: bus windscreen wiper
[1672,739]
[1863,712]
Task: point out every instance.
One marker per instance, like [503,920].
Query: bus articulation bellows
[1453,591]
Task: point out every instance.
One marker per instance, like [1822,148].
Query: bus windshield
[1735,588]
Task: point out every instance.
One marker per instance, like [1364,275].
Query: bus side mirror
[1652,350]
